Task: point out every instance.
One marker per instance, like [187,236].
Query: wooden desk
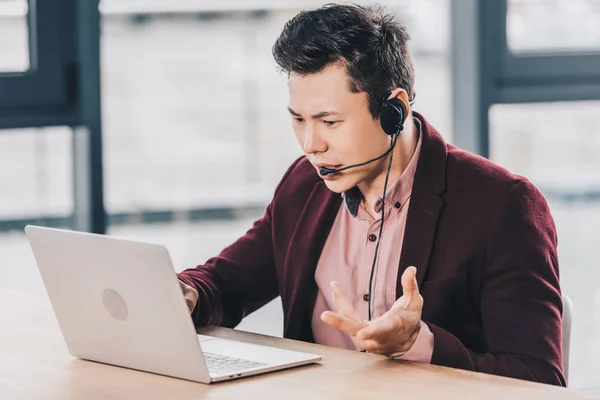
[35,364]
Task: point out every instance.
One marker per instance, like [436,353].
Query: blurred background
[190,133]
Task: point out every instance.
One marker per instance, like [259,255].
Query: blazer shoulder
[470,171]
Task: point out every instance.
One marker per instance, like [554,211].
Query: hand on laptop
[190,294]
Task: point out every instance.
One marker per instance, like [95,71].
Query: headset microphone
[326,171]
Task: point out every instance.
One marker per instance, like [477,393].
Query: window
[551,26]
[195,110]
[560,156]
[549,47]
[14,36]
[35,176]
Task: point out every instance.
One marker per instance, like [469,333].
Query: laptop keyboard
[218,364]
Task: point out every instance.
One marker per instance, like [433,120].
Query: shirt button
[397,205]
[366,297]
[372,237]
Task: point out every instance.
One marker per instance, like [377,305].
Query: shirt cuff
[422,349]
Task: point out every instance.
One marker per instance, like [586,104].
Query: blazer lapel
[421,225]
[306,245]
[426,204]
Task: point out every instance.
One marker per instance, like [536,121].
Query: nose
[313,143]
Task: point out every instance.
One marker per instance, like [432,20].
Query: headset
[392,118]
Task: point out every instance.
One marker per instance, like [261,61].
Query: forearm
[449,351]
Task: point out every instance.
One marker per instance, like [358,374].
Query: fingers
[377,337]
[389,334]
[341,302]
[190,295]
[370,345]
[379,329]
[190,305]
[350,326]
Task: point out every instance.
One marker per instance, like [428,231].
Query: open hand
[393,333]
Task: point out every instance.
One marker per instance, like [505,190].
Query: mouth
[328,166]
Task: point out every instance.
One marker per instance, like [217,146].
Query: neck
[372,189]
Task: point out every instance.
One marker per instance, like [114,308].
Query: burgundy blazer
[482,239]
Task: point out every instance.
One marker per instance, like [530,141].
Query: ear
[394,111]
[401,95]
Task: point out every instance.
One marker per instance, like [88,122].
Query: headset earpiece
[393,115]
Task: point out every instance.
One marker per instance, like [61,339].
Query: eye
[298,119]
[331,124]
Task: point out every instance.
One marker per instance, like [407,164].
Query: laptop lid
[118,302]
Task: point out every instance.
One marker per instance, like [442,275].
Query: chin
[340,184]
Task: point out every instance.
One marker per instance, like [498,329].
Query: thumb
[410,289]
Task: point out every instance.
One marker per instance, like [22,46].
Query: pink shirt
[348,256]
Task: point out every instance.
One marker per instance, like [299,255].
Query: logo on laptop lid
[115,305]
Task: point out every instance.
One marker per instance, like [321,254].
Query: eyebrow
[316,116]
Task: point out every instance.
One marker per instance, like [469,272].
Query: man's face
[335,128]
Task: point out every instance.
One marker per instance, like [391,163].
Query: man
[463,270]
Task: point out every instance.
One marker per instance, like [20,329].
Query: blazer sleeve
[241,279]
[521,303]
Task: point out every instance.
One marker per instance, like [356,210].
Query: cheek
[299,133]
[354,144]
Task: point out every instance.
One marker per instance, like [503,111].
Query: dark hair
[371,45]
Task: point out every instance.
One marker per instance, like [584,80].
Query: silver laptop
[119,302]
